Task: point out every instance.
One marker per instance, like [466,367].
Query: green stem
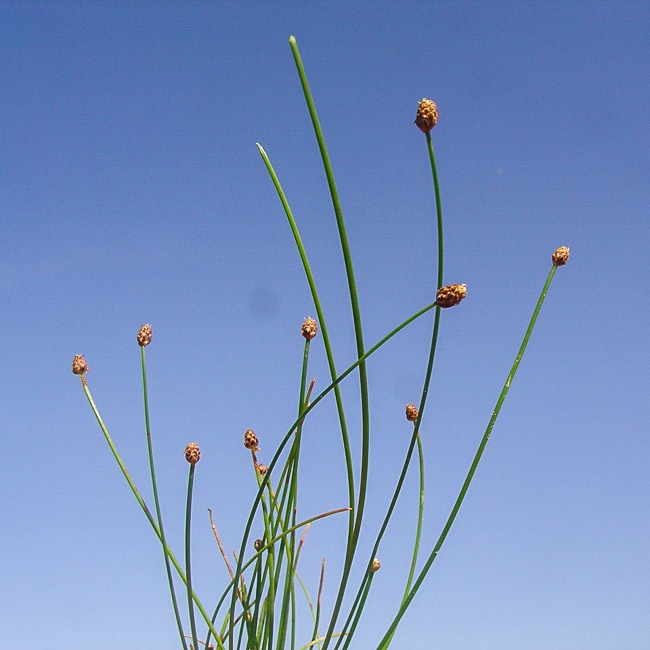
[423,399]
[188,568]
[418,533]
[154,486]
[346,639]
[436,185]
[144,507]
[270,562]
[242,566]
[358,332]
[470,474]
[324,331]
[287,437]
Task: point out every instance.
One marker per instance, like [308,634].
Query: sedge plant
[258,608]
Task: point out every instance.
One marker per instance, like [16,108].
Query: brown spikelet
[192,453]
[250,440]
[375,566]
[411,413]
[561,256]
[258,544]
[451,295]
[262,469]
[309,328]
[79,365]
[144,335]
[427,115]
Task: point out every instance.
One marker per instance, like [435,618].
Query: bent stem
[287,437]
[358,602]
[470,474]
[242,566]
[358,332]
[144,507]
[323,328]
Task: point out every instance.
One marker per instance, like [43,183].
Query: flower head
[192,453]
[144,335]
[427,115]
[411,413]
[79,365]
[309,328]
[450,295]
[561,256]
[250,440]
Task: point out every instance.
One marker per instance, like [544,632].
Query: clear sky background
[131,191]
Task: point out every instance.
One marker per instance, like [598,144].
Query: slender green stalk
[270,560]
[418,533]
[156,500]
[319,641]
[242,566]
[436,185]
[188,564]
[288,597]
[429,371]
[302,416]
[349,635]
[358,333]
[324,332]
[427,380]
[423,399]
[434,337]
[144,507]
[470,474]
[318,602]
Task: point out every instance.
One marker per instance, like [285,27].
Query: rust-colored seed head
[144,335]
[258,544]
[250,440]
[192,453]
[262,469]
[375,566]
[427,116]
[79,365]
[309,328]
[561,256]
[451,295]
[411,413]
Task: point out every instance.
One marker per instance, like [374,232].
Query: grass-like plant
[257,609]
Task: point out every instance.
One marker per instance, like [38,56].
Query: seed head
[561,256]
[427,115]
[250,440]
[411,413]
[262,469]
[192,453]
[309,328]
[79,365]
[258,544]
[375,566]
[144,335]
[451,295]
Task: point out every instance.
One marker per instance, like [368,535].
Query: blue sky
[131,191]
